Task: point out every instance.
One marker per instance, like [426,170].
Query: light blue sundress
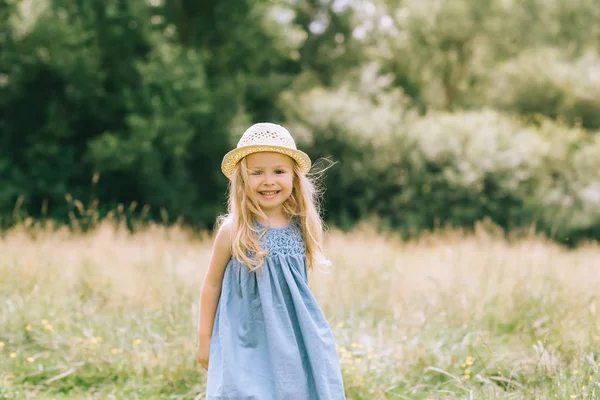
[270,338]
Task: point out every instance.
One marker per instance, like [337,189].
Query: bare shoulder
[221,254]
[224,235]
[226,226]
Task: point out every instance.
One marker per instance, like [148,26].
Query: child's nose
[269,179]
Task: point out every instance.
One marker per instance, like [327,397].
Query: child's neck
[275,218]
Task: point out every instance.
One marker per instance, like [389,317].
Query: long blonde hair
[243,210]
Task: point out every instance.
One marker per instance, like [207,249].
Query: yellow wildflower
[137,341]
[44,322]
[95,340]
[30,359]
[28,328]
[1,345]
[13,355]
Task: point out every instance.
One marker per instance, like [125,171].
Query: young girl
[262,335]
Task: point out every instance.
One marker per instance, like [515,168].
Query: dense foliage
[435,112]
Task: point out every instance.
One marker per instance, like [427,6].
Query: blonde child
[262,335]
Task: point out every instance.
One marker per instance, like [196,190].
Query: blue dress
[270,338]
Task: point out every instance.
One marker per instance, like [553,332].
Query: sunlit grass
[451,316]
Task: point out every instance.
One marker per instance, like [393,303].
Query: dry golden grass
[108,314]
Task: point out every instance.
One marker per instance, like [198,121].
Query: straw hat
[263,137]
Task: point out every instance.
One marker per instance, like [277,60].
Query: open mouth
[269,194]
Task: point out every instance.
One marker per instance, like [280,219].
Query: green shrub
[415,173]
[486,162]
[544,82]
[567,190]
[353,126]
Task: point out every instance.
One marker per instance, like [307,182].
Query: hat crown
[267,134]
[267,137]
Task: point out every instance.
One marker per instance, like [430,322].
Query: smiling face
[271,178]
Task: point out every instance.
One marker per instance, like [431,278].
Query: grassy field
[107,315]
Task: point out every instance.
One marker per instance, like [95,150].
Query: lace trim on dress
[287,240]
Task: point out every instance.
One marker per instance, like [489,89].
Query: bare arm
[211,287]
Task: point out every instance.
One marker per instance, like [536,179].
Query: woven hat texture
[265,137]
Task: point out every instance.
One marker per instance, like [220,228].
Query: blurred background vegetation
[436,112]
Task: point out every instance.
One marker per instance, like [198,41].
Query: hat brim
[234,156]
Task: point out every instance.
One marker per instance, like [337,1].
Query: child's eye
[255,173]
[279,171]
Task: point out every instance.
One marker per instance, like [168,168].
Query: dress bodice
[287,240]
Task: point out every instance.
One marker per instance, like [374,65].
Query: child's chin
[270,202]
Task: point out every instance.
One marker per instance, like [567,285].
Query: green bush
[353,126]
[567,190]
[486,162]
[416,173]
[101,91]
[544,82]
[113,104]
